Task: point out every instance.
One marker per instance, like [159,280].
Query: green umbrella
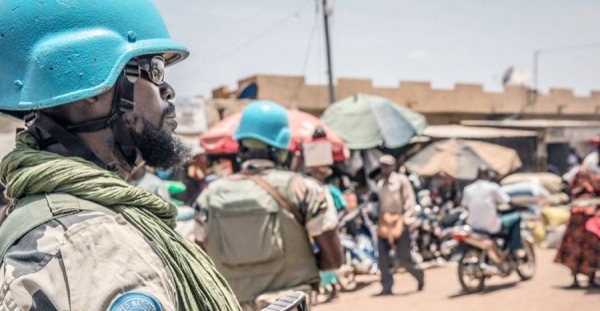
[366,121]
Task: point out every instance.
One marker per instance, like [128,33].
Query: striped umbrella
[461,159]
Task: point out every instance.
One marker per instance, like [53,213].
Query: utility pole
[536,55]
[328,51]
[536,60]
[534,91]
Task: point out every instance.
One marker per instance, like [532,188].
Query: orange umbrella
[218,139]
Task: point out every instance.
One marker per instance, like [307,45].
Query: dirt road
[442,292]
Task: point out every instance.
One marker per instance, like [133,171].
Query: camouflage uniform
[82,261]
[306,191]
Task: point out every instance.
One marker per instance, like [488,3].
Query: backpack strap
[281,200]
[32,211]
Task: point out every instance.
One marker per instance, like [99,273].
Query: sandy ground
[442,292]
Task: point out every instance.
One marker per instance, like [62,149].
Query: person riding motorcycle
[260,222]
[482,199]
[87,77]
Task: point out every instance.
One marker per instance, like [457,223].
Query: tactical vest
[258,246]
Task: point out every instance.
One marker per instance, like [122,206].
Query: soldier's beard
[159,148]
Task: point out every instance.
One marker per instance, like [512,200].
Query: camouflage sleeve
[319,212]
[84,261]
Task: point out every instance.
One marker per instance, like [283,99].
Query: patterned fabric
[33,274]
[579,248]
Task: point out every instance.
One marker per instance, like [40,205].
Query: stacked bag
[543,193]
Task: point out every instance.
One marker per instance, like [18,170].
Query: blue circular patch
[135,301]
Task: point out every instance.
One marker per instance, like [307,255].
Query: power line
[538,53]
[311,38]
[320,53]
[256,38]
[532,95]
[588,46]
[200,72]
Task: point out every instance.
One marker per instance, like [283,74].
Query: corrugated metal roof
[533,124]
[459,131]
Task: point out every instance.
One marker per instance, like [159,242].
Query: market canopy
[461,159]
[473,132]
[366,121]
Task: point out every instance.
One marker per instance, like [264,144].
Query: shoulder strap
[281,200]
[35,210]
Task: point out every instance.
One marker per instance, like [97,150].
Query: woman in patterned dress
[579,248]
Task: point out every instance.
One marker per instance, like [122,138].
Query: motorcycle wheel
[526,267]
[470,275]
[346,274]
[346,277]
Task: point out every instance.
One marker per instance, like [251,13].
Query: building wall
[441,106]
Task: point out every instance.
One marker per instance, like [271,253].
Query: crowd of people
[220,208]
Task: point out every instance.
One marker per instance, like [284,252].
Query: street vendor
[396,215]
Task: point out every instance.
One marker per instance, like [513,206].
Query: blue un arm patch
[135,301]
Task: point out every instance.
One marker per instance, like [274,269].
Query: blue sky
[442,41]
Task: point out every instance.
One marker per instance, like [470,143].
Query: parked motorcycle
[427,242]
[484,256]
[360,252]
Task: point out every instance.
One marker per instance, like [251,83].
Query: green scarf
[27,171]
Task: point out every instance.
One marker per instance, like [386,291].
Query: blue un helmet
[57,52]
[265,121]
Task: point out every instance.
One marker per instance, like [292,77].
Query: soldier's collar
[257,165]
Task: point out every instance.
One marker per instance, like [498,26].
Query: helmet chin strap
[123,101]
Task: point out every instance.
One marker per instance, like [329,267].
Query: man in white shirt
[482,198]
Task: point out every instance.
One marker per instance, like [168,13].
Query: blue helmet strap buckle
[132,70]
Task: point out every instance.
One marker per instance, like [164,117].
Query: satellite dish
[507,75]
[248,91]
[515,76]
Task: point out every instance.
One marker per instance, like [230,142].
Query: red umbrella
[218,139]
